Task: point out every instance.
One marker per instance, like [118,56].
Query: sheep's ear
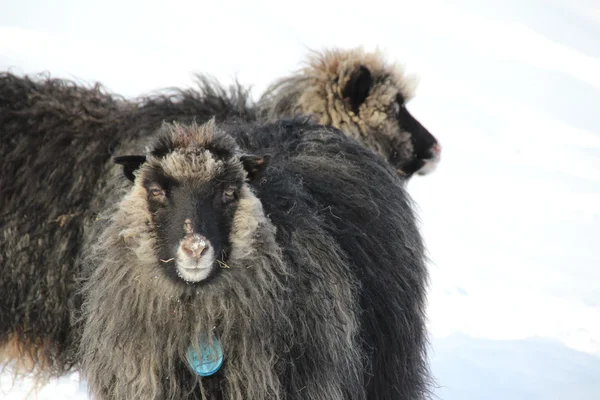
[254,164]
[358,87]
[130,165]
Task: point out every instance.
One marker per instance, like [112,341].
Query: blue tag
[211,357]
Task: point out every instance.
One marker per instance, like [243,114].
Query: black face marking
[210,206]
[130,165]
[358,87]
[421,139]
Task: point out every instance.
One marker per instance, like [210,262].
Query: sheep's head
[193,180]
[366,98]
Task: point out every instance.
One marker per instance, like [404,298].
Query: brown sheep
[363,96]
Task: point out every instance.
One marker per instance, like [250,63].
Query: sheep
[56,141]
[287,251]
[364,96]
[56,137]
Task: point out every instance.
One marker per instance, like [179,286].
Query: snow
[511,217]
[68,387]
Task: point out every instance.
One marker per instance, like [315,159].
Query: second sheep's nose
[194,246]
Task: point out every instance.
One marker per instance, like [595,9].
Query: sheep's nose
[435,152]
[194,246]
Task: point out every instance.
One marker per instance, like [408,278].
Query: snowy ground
[511,89]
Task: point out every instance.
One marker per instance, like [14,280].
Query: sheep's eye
[228,195]
[156,192]
[399,103]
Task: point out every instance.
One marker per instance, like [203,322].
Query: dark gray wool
[319,287]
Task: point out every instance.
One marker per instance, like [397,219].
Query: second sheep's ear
[358,87]
[254,164]
[130,165]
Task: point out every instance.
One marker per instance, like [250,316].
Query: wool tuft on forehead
[193,151]
[193,138]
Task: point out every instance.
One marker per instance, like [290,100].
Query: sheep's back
[53,146]
[317,173]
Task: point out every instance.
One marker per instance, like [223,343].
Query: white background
[511,89]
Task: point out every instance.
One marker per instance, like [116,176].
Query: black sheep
[56,142]
[294,251]
[365,97]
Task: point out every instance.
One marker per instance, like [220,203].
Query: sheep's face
[378,103]
[361,94]
[192,179]
[192,218]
